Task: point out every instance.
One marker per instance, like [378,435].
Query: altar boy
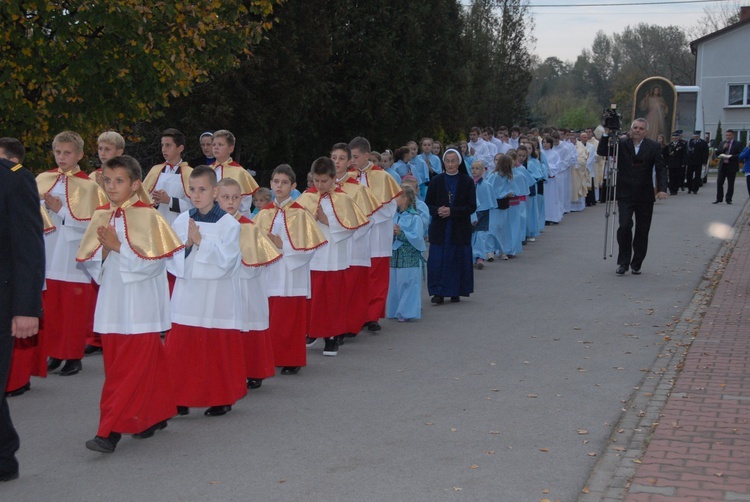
[204,348]
[338,218]
[293,230]
[125,248]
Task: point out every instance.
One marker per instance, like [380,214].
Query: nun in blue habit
[452,199]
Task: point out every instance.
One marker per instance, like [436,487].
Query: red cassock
[258,349]
[132,405]
[380,273]
[68,318]
[206,366]
[288,323]
[324,317]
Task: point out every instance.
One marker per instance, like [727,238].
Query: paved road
[480,401]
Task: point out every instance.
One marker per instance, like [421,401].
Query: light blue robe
[392,171]
[499,223]
[517,212]
[424,212]
[481,240]
[405,286]
[530,219]
[401,168]
[422,172]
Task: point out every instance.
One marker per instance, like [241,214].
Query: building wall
[720,61]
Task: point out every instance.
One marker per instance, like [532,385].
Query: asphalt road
[502,397]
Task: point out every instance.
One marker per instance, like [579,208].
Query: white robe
[61,246]
[337,255]
[172,184]
[289,276]
[552,206]
[134,293]
[207,290]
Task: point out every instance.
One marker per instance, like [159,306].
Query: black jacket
[464,204]
[675,155]
[634,172]
[734,161]
[21,246]
[697,152]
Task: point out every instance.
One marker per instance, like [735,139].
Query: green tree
[91,66]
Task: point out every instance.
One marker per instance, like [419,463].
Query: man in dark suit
[729,163]
[697,156]
[21,278]
[675,156]
[637,157]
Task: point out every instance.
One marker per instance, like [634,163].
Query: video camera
[611,119]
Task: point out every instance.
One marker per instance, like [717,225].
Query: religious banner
[655,100]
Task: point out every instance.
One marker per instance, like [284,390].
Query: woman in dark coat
[451,198]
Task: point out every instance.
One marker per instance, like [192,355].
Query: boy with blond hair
[70,199]
[257,252]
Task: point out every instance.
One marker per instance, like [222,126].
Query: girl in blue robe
[481,240]
[401,165]
[422,208]
[405,287]
[533,226]
[501,181]
[517,211]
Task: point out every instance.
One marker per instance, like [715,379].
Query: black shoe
[91,349]
[621,270]
[290,370]
[690,191]
[217,411]
[635,270]
[716,202]
[104,445]
[310,342]
[19,391]
[349,335]
[455,299]
[8,476]
[151,430]
[71,367]
[183,410]
[729,202]
[437,300]
[331,347]
[53,363]
[254,383]
[373,326]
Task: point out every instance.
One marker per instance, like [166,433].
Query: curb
[610,478]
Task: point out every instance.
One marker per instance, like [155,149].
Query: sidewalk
[700,449]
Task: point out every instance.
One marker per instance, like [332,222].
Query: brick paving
[700,449]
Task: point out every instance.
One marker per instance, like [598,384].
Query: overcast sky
[564,31]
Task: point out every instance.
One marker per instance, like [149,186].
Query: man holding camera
[638,156]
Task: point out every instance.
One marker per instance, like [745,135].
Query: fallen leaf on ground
[582,431]
[457,488]
[490,452]
[544,449]
[531,395]
[592,454]
[453,429]
[473,466]
[585,489]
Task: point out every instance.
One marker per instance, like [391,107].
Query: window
[738,95]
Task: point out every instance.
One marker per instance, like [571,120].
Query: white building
[722,71]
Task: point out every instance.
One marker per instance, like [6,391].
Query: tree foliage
[93,65]
[391,71]
[609,72]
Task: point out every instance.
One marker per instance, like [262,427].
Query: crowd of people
[195,284]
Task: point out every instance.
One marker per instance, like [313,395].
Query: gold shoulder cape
[49,227]
[231,169]
[149,183]
[83,195]
[303,232]
[347,212]
[382,184]
[257,249]
[362,195]
[146,230]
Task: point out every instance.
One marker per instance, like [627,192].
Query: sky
[564,30]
